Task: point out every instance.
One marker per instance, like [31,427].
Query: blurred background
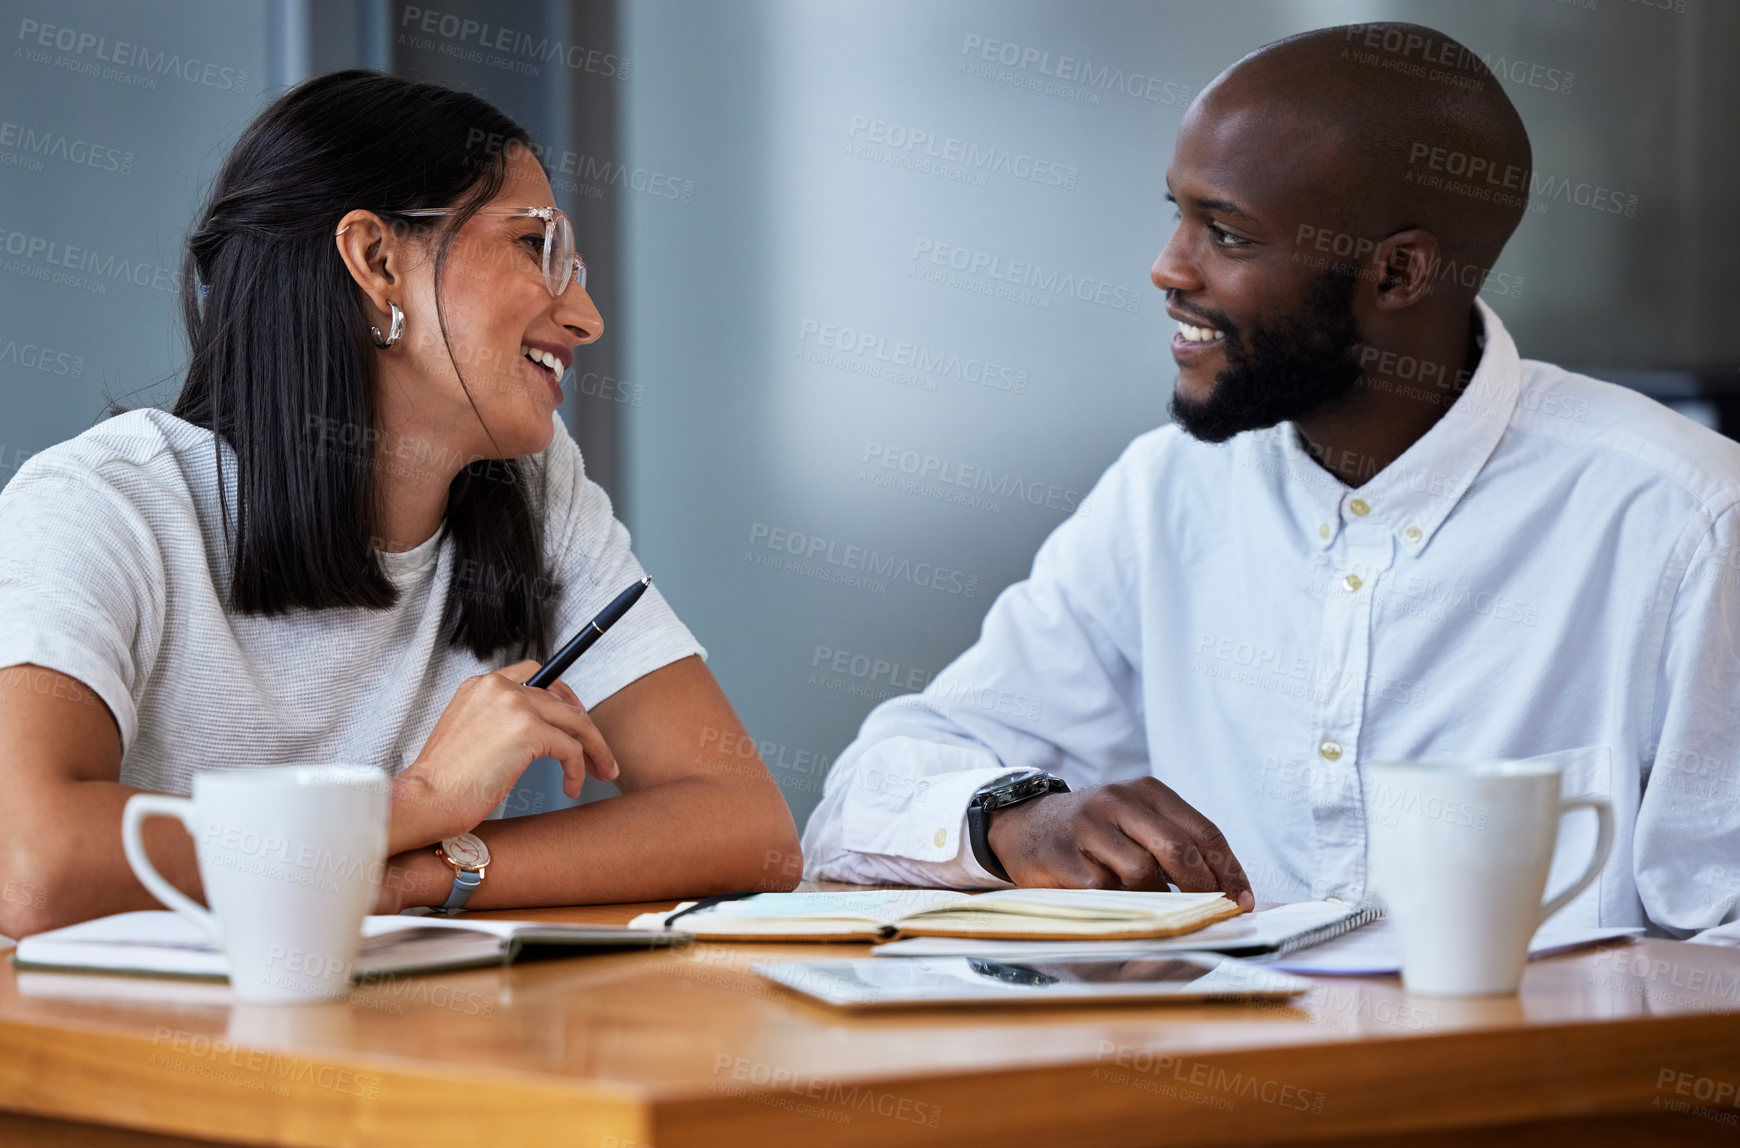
[874,272]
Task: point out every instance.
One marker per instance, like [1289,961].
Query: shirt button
[1360,507]
[1323,531]
[1352,583]
[942,835]
[1413,534]
[1331,750]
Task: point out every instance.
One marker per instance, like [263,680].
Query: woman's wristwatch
[1000,793]
[467,855]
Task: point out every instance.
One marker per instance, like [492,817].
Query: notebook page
[876,906]
[1087,904]
[147,940]
[1373,951]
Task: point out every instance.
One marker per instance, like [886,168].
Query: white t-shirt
[114,572]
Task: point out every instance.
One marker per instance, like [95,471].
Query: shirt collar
[1413,495]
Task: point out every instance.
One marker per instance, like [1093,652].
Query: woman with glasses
[356,534]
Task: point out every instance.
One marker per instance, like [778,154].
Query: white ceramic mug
[291,858]
[1459,854]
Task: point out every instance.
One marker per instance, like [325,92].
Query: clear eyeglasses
[562,265]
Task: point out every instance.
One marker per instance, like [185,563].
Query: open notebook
[1007,914]
[157,942]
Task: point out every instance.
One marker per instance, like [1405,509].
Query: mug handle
[1603,843]
[138,808]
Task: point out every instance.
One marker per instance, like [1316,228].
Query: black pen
[593,630]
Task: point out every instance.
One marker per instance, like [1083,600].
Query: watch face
[1018,788]
[467,850]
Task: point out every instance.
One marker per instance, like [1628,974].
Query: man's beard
[1289,368]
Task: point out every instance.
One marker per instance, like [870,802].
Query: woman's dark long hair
[283,362]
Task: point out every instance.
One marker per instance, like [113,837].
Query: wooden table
[1633,1043]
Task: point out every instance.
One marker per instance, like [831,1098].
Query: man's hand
[1126,835]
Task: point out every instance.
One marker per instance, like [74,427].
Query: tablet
[870,983]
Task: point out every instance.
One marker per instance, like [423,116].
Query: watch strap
[465,882]
[979,837]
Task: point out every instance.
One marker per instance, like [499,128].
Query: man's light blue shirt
[1553,568]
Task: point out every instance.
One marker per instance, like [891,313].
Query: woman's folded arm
[698,813]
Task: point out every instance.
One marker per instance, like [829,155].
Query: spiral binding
[1363,914]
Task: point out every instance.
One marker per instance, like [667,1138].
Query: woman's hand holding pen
[492,729]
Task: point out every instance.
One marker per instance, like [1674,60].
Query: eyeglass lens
[560,265]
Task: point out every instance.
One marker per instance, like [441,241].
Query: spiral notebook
[1264,935]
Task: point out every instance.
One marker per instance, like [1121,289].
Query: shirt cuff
[908,798]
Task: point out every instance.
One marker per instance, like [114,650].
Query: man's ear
[1409,262]
[373,255]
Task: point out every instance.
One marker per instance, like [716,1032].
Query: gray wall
[101,150]
[762,316]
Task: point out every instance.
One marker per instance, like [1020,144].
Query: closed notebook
[1270,932]
[1007,914]
[157,942]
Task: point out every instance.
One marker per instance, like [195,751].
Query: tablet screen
[868,983]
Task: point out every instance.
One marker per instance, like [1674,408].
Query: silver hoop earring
[397,328]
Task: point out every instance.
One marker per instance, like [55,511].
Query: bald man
[1372,532]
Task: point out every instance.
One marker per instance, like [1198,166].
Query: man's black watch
[1010,789]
